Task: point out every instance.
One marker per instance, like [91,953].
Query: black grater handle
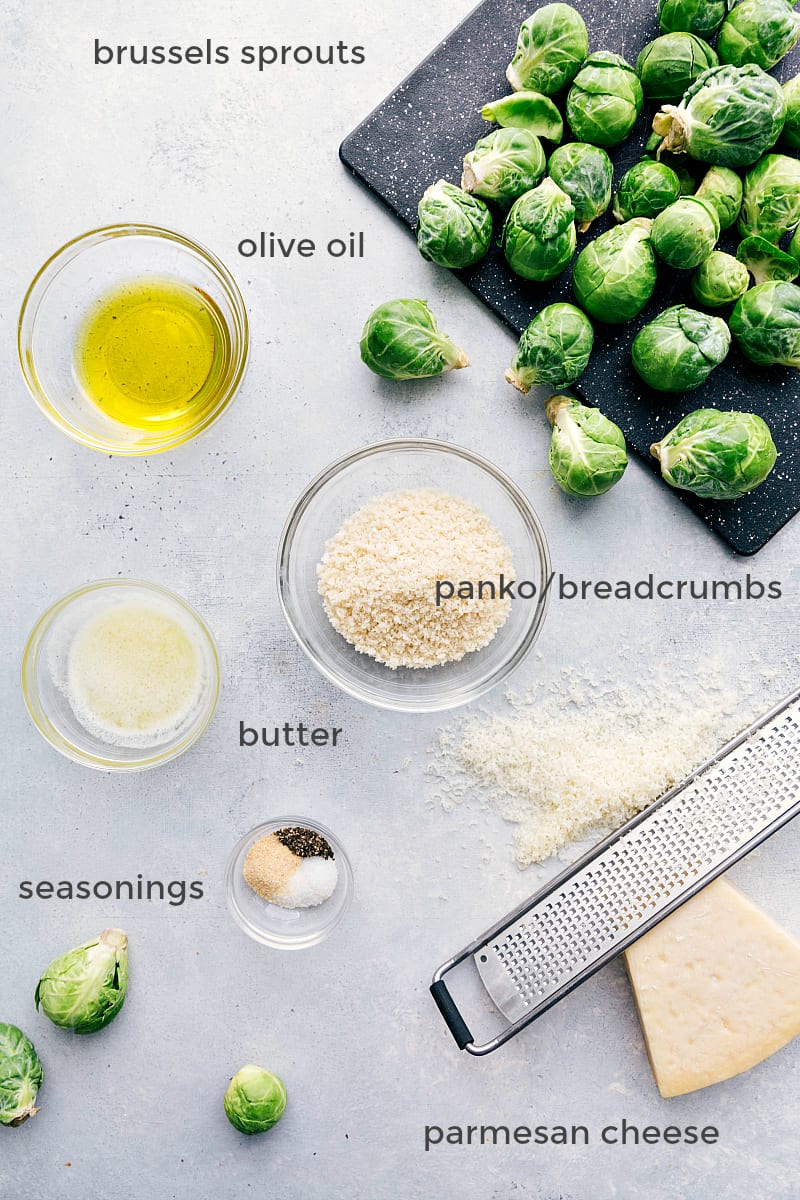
[452,1016]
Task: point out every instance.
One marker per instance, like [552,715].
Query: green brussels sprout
[554,349]
[646,190]
[21,1076]
[684,234]
[766,262]
[771,205]
[539,236]
[701,17]
[758,31]
[720,280]
[615,275]
[722,189]
[604,101]
[526,110]
[255,1100]
[670,65]
[586,174]
[679,349]
[791,129]
[504,165]
[453,229]
[85,988]
[551,46]
[401,340]
[716,455]
[729,117]
[587,451]
[766,324]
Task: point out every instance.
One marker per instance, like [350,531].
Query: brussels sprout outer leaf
[527,110]
[587,451]
[255,1099]
[760,32]
[504,165]
[766,324]
[766,262]
[401,340]
[720,280]
[551,45]
[771,204]
[678,350]
[554,349]
[21,1076]
[616,274]
[453,229]
[717,455]
[85,988]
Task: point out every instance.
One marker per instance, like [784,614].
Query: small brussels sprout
[453,229]
[401,340]
[758,31]
[604,101]
[766,324]
[587,451]
[729,117]
[684,234]
[551,46]
[526,110]
[646,190]
[766,262]
[539,236]
[722,189]
[670,65]
[679,349]
[771,205]
[554,349]
[615,275]
[791,130]
[85,988]
[21,1076]
[720,280]
[701,17]
[255,1100]
[586,174]
[716,455]
[504,165]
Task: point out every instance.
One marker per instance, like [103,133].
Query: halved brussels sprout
[766,324]
[701,17]
[255,1099]
[539,236]
[771,205]
[587,451]
[453,229]
[679,349]
[85,988]
[646,190]
[722,189]
[21,1076]
[684,234]
[670,64]
[766,262]
[554,349]
[586,174]
[504,165]
[615,275]
[720,280]
[791,129]
[760,32]
[716,455]
[526,110]
[401,340]
[604,101]
[551,45]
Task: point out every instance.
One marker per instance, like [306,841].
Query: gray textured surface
[136,1110]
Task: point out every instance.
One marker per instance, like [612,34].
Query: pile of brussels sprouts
[721,158]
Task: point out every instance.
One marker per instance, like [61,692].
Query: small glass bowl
[286,928]
[64,291]
[345,487]
[44,668]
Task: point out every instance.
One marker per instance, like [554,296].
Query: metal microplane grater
[628,883]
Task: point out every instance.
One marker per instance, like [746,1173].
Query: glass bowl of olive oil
[133,339]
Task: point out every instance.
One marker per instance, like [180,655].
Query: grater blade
[627,884]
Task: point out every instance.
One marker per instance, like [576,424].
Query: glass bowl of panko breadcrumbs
[414,574]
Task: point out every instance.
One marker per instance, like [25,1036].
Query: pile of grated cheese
[378,576]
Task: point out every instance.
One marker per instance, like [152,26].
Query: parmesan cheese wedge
[717,985]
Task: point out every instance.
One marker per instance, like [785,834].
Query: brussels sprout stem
[30,1110]
[455,357]
[670,125]
[554,405]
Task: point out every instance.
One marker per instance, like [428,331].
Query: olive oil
[151,353]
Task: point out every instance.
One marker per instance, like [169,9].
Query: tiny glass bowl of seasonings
[288,883]
[133,339]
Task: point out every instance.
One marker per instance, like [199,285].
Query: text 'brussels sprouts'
[551,45]
[646,190]
[526,110]
[771,205]
[760,32]
[453,229]
[554,349]
[722,189]
[255,1099]
[766,324]
[84,989]
[669,66]
[586,174]
[615,275]
[678,350]
[604,101]
[717,455]
[720,280]
[587,451]
[701,17]
[504,165]
[684,234]
[766,262]
[401,340]
[539,235]
[21,1076]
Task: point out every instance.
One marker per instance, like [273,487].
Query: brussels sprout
[21,1076]
[604,101]
[586,174]
[679,349]
[401,340]
[758,31]
[717,455]
[255,1100]
[504,165]
[554,349]
[453,229]
[729,117]
[587,451]
[646,190]
[771,205]
[791,130]
[539,235]
[551,46]
[670,65]
[766,324]
[526,110]
[701,17]
[615,275]
[722,189]
[684,234]
[720,280]
[85,989]
[766,262]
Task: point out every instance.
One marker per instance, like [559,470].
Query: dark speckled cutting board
[421,132]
